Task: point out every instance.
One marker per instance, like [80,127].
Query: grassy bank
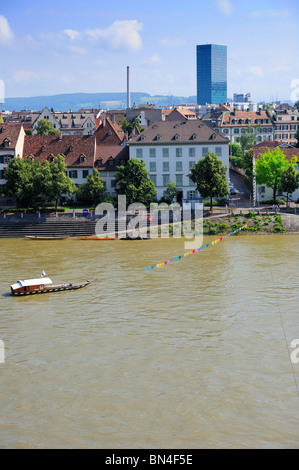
[263,223]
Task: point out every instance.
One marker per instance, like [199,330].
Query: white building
[11,145]
[68,123]
[171,148]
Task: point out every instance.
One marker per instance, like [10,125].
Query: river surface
[196,354]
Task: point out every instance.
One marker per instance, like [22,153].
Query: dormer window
[6,142]
[141,137]
[154,126]
[194,136]
[50,158]
[176,126]
[176,137]
[2,129]
[158,137]
[71,148]
[110,161]
[109,132]
[43,148]
[213,136]
[100,162]
[82,158]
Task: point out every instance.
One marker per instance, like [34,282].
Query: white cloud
[71,33]
[6,34]
[256,70]
[24,75]
[225,7]
[167,42]
[120,35]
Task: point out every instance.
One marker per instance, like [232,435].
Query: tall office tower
[211,74]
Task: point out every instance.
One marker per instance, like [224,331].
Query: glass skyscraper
[211,74]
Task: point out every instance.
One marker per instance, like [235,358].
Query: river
[196,354]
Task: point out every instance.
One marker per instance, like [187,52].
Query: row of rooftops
[108,147]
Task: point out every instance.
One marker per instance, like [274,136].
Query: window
[154,179]
[192,152]
[262,189]
[285,127]
[113,183]
[73,174]
[293,127]
[191,164]
[178,152]
[179,166]
[5,159]
[165,180]
[103,173]
[165,166]
[152,167]
[278,128]
[2,177]
[205,150]
[218,151]
[165,153]
[85,173]
[236,131]
[191,195]
[139,153]
[152,153]
[179,180]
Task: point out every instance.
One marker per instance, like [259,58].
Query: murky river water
[192,355]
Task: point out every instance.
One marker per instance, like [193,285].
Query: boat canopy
[41,281]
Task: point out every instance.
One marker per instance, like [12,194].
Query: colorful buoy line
[178,258]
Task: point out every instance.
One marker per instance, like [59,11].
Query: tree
[93,190]
[296,105]
[236,154]
[170,192]
[129,126]
[45,127]
[270,167]
[19,181]
[133,181]
[289,181]
[209,175]
[60,183]
[248,139]
[42,180]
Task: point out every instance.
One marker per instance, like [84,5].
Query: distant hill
[75,101]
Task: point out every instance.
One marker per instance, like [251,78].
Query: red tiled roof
[72,147]
[289,152]
[109,133]
[10,131]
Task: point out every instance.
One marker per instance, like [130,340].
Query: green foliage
[33,184]
[133,181]
[91,192]
[170,193]
[128,126]
[248,139]
[289,180]
[19,181]
[209,175]
[270,167]
[45,127]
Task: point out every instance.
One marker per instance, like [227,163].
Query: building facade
[12,137]
[286,125]
[171,148]
[211,63]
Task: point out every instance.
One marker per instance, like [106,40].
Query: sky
[55,47]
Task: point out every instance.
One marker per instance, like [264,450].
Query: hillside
[75,101]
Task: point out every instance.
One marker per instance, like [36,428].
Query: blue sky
[66,47]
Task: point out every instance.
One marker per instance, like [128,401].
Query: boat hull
[55,288]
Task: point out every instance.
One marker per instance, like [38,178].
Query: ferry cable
[284,333]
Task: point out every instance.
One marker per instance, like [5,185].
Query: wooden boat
[43,285]
[31,237]
[97,238]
